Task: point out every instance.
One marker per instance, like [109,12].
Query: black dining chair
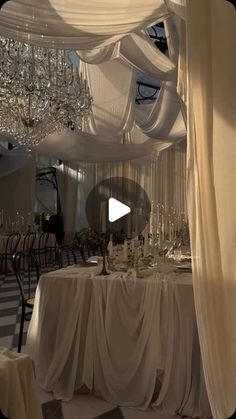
[40,250]
[86,251]
[26,270]
[28,241]
[2,416]
[91,249]
[12,244]
[51,249]
[65,256]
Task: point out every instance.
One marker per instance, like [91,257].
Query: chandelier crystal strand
[41,92]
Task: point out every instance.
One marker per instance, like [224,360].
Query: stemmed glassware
[156,248]
[177,255]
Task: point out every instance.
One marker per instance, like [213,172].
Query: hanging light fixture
[41,92]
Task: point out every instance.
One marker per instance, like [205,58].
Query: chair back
[13,241]
[26,270]
[65,256]
[43,240]
[86,251]
[28,243]
[91,249]
[52,241]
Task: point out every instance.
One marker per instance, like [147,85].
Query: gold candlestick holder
[104,269]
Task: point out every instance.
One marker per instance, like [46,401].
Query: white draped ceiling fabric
[113,86]
[139,51]
[112,55]
[77,24]
[116,120]
[85,147]
[110,34]
[164,119]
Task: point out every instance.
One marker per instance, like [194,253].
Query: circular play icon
[118,205]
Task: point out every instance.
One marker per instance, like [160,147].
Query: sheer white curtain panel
[17,191]
[162,175]
[170,179]
[211,69]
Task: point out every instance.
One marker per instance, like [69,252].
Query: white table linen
[18,391]
[132,341]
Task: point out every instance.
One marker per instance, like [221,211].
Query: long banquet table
[132,341]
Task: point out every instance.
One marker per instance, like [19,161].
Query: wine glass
[177,255]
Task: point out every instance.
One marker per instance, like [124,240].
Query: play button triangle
[116,209]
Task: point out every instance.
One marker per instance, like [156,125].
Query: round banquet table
[132,341]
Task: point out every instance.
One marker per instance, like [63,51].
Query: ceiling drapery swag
[77,24]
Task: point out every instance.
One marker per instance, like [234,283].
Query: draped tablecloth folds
[18,392]
[132,341]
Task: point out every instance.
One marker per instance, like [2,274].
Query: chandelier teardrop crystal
[41,92]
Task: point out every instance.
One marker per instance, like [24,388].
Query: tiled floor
[80,407]
[10,313]
[89,407]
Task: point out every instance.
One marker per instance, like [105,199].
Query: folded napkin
[94,259]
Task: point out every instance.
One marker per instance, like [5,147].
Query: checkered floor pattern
[10,310]
[10,306]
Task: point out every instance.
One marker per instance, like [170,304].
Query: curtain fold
[100,55]
[112,85]
[211,81]
[76,23]
[139,51]
[164,119]
[178,7]
[173,37]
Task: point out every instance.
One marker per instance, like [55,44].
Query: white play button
[116,209]
[118,205]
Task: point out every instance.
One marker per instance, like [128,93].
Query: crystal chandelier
[41,92]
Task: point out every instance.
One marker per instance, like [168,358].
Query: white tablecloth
[132,341]
[18,393]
